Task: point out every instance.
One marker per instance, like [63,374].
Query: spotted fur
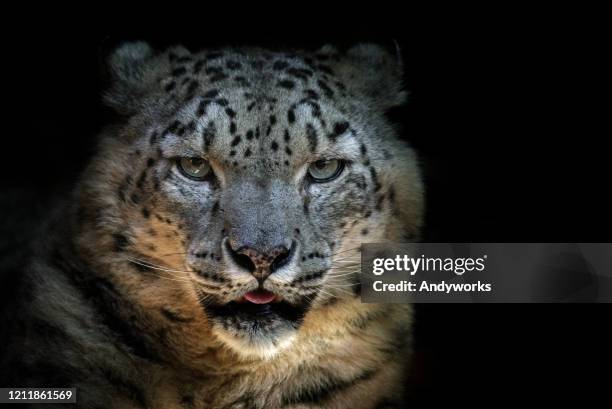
[130,298]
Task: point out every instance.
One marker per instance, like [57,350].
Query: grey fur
[134,283]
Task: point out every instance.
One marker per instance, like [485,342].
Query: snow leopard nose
[261,263]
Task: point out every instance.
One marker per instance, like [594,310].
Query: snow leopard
[209,255]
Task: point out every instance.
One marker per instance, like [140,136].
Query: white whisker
[343,274]
[150,265]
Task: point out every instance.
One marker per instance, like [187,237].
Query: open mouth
[259,312]
[260,296]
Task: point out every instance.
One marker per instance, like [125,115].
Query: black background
[504,112]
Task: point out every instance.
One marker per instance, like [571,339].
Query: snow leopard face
[249,179]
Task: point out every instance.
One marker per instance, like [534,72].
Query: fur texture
[132,296]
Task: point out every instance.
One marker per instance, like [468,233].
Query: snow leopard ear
[132,68]
[374,72]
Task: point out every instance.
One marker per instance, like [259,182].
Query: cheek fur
[160,237]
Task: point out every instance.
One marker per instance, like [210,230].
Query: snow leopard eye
[194,168]
[325,170]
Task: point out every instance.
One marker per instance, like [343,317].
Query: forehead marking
[297,74]
[311,134]
[339,129]
[208,135]
[288,84]
[291,114]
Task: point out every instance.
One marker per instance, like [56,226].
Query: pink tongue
[260,296]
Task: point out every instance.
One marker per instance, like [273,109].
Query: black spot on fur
[155,183]
[313,139]
[379,202]
[193,86]
[213,93]
[121,192]
[173,127]
[329,93]
[202,107]
[208,136]
[197,67]
[301,73]
[141,179]
[392,194]
[217,77]
[242,81]
[374,176]
[364,150]
[233,65]
[247,153]
[274,146]
[181,130]
[135,198]
[315,108]
[311,94]
[339,129]
[187,401]
[153,138]
[286,84]
[179,71]
[213,70]
[236,140]
[184,59]
[258,65]
[280,65]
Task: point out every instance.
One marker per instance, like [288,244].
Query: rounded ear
[132,71]
[374,72]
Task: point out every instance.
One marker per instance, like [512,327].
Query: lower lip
[260,297]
